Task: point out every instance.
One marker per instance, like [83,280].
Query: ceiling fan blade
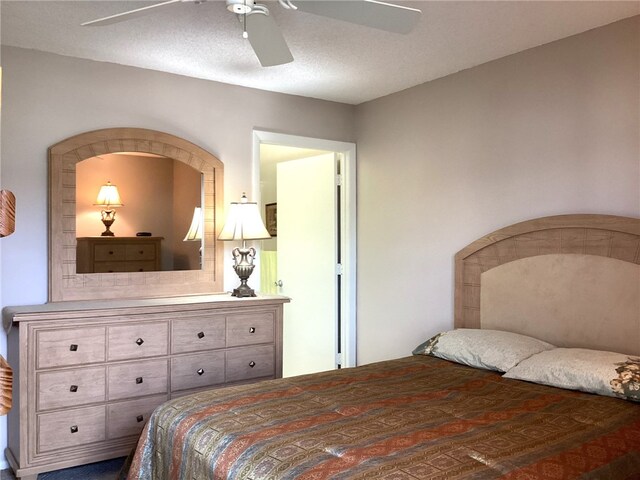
[370,13]
[267,40]
[121,17]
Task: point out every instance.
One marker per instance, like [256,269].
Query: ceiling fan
[264,35]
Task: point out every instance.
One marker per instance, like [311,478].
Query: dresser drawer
[70,428]
[196,371]
[71,346]
[138,341]
[250,362]
[140,266]
[144,251]
[108,253]
[199,333]
[136,379]
[128,418]
[250,329]
[112,267]
[69,388]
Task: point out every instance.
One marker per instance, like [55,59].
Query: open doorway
[310,185]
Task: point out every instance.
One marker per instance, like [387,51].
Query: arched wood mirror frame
[64,282]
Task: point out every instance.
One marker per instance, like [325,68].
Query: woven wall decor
[7,213]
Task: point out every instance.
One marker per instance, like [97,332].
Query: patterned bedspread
[414,418]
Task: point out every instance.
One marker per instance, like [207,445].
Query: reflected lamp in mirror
[244,223]
[108,199]
[195,230]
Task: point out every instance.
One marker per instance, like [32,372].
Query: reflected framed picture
[271,218]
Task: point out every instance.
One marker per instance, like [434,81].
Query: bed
[481,401]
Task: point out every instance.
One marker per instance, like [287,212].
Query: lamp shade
[195,230]
[108,196]
[244,222]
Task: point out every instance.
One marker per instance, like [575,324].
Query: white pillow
[594,371]
[488,349]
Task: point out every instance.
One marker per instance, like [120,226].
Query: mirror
[68,203]
[158,195]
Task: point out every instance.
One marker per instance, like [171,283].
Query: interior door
[307,260]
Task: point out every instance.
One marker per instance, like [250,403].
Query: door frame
[348,222]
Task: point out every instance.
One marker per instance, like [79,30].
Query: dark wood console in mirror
[67,281]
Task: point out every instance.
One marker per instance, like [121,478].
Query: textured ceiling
[333,60]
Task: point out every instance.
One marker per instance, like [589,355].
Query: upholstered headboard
[573,280]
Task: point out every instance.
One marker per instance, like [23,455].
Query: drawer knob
[139,341]
[73,347]
[110,252]
[140,252]
[139,380]
[73,388]
[201,335]
[200,371]
[74,429]
[252,364]
[139,418]
[252,329]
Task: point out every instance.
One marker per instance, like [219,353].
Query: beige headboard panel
[569,300]
[598,235]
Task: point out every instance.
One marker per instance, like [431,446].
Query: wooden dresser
[118,254]
[88,374]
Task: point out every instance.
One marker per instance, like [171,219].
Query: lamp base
[108,217]
[243,291]
[243,258]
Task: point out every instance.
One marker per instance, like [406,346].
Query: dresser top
[122,306]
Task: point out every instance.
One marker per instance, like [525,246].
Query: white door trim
[348,222]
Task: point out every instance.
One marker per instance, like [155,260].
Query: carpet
[107,470]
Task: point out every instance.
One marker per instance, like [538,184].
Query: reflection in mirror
[65,283]
[159,195]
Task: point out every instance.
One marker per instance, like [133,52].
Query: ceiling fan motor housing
[241,7]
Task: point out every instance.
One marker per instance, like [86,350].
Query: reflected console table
[118,254]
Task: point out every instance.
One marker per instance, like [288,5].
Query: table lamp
[244,223]
[108,198]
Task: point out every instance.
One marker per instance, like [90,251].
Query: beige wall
[547,131]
